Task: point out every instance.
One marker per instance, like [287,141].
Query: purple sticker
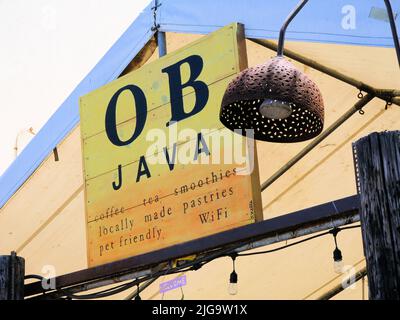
[173,284]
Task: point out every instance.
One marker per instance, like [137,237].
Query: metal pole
[339,288]
[162,44]
[393,28]
[384,94]
[282,32]
[357,107]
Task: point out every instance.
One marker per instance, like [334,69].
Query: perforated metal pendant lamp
[295,102]
[275,99]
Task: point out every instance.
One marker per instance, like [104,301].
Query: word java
[191,147]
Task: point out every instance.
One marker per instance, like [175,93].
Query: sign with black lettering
[159,167]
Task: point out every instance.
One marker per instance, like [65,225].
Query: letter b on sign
[176,87]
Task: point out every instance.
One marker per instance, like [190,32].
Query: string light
[337,254]
[233,279]
[195,265]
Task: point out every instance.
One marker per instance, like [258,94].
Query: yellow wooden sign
[159,167]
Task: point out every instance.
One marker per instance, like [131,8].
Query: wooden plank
[142,57]
[378,163]
[12,272]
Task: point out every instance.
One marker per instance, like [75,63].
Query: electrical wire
[33,276]
[188,266]
[120,288]
[349,227]
[114,290]
[283,247]
[133,295]
[104,293]
[295,243]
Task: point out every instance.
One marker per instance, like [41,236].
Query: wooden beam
[284,227]
[378,170]
[12,272]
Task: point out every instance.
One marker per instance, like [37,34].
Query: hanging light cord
[334,232]
[233,256]
[298,242]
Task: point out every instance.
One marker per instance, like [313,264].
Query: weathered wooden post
[12,272]
[378,169]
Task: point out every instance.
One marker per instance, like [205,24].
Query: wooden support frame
[296,224]
[315,219]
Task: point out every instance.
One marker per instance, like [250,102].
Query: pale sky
[47,48]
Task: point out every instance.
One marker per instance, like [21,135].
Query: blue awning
[356,22]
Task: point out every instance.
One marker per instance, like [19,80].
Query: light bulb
[275,109]
[338,266]
[233,286]
[232,289]
[337,261]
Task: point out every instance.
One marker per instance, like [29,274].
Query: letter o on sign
[141,115]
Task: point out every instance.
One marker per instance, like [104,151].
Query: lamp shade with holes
[276,100]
